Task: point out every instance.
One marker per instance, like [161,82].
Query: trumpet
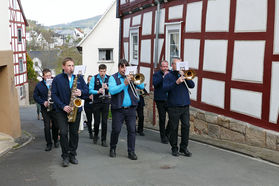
[136,79]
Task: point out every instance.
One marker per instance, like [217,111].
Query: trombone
[188,75]
[136,79]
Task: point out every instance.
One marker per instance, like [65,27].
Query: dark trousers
[118,117]
[162,110]
[176,114]
[89,112]
[140,115]
[101,109]
[50,117]
[68,145]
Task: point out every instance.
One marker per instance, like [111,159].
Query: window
[173,38]
[22,91]
[173,45]
[105,54]
[20,64]
[19,35]
[134,46]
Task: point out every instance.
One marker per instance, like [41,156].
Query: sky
[52,12]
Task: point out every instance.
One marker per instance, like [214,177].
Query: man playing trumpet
[178,108]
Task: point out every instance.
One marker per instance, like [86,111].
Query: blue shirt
[92,83]
[115,89]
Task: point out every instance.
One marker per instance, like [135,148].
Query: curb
[30,138]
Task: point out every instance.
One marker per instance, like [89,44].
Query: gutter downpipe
[157,34]
[120,29]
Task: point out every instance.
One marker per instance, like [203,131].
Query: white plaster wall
[246,102]
[136,20]
[193,17]
[126,51]
[147,23]
[160,43]
[104,35]
[161,22]
[274,93]
[248,61]
[217,15]
[176,12]
[145,54]
[276,29]
[215,55]
[146,72]
[213,92]
[4,25]
[126,27]
[192,52]
[194,90]
[251,16]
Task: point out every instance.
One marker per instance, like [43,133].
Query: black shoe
[95,140]
[56,144]
[141,134]
[164,140]
[73,160]
[104,143]
[112,153]
[174,153]
[90,136]
[185,152]
[65,162]
[132,156]
[48,148]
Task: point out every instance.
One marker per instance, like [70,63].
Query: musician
[88,107]
[160,98]
[61,95]
[140,111]
[123,107]
[40,95]
[99,88]
[178,108]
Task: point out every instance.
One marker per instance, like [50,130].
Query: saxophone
[75,102]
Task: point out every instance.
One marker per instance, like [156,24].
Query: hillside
[84,23]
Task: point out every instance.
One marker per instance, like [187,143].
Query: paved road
[31,165]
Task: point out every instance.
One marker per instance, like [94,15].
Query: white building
[101,45]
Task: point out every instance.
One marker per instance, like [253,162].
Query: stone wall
[219,127]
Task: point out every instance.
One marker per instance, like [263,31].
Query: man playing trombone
[178,108]
[124,101]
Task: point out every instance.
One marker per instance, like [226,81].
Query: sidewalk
[6,143]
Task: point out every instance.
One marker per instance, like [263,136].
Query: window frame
[107,61]
[19,36]
[133,32]
[174,27]
[20,65]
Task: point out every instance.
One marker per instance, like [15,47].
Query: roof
[23,15]
[100,20]
[48,58]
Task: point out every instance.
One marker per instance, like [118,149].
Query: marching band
[60,101]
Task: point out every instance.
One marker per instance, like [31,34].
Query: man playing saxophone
[65,86]
[41,96]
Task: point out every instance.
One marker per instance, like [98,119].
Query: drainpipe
[157,34]
[120,28]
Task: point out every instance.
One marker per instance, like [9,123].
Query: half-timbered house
[17,26]
[233,45]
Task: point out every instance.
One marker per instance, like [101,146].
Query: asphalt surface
[210,166]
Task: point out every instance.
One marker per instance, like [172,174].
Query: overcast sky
[51,12]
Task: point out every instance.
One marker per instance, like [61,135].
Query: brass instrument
[136,79]
[188,75]
[75,102]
